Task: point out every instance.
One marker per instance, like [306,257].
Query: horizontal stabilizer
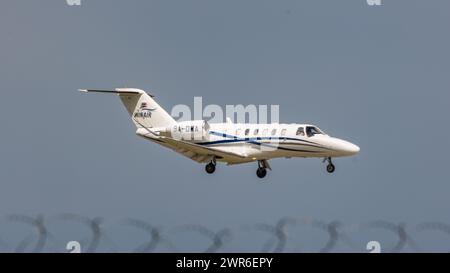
[116,91]
[144,111]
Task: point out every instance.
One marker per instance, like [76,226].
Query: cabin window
[247,131]
[274,132]
[300,131]
[283,132]
[265,132]
[256,132]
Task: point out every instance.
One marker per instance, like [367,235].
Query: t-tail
[143,109]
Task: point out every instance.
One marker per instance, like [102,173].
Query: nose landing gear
[330,166]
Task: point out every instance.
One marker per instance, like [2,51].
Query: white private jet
[233,143]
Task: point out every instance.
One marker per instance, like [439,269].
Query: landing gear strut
[211,166]
[330,166]
[263,165]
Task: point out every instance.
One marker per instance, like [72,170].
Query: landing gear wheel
[210,167]
[261,172]
[330,168]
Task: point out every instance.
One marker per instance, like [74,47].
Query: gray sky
[377,76]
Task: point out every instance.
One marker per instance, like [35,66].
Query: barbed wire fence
[288,234]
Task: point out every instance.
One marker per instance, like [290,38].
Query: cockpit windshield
[313,130]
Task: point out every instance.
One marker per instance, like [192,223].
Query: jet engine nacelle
[191,130]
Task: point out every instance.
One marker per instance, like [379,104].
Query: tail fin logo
[144,111]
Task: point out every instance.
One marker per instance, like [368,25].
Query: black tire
[330,168]
[261,172]
[210,168]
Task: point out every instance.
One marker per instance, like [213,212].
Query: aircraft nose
[352,148]
[345,147]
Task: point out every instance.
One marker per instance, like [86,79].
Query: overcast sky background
[376,76]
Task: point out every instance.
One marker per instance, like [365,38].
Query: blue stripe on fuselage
[254,140]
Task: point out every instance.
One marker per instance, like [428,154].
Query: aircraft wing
[201,153]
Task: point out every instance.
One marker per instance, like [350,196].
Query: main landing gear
[263,165]
[261,172]
[211,166]
[330,166]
